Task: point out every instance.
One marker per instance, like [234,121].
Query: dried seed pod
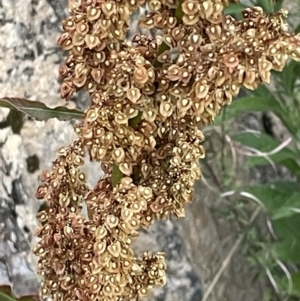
[184,104]
[147,22]
[190,7]
[118,155]
[140,75]
[201,89]
[121,118]
[100,247]
[42,216]
[190,19]
[143,292]
[100,233]
[114,249]
[164,57]
[64,200]
[66,90]
[174,73]
[108,8]
[126,168]
[93,13]
[112,221]
[91,41]
[133,223]
[166,109]
[133,94]
[126,214]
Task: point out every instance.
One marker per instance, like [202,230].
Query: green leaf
[289,207]
[262,91]
[6,295]
[260,101]
[268,195]
[287,186]
[288,250]
[280,159]
[287,228]
[235,9]
[266,144]
[278,5]
[260,141]
[116,175]
[289,76]
[134,122]
[267,5]
[296,284]
[274,196]
[38,110]
[249,103]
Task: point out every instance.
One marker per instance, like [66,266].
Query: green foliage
[267,149]
[6,295]
[296,284]
[278,252]
[235,9]
[38,110]
[280,200]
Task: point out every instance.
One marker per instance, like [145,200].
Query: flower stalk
[143,126]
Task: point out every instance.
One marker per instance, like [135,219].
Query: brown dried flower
[149,99]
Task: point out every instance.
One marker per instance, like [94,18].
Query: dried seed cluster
[149,98]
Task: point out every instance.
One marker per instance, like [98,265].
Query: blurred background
[240,240]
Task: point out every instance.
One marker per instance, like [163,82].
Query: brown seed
[118,155]
[166,109]
[126,214]
[93,13]
[91,41]
[100,233]
[133,94]
[66,90]
[112,221]
[201,89]
[190,20]
[108,8]
[143,292]
[147,22]
[126,168]
[184,104]
[78,39]
[174,73]
[100,247]
[114,249]
[190,7]
[140,75]
[136,269]
[79,81]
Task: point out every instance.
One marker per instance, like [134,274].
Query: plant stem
[161,49]
[134,122]
[179,12]
[116,175]
[163,46]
